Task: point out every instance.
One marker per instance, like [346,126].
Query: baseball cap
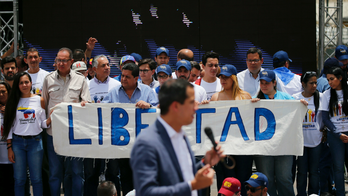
[127,58]
[165,69]
[228,70]
[332,62]
[162,49]
[136,56]
[79,66]
[281,56]
[341,52]
[183,63]
[230,186]
[257,179]
[267,75]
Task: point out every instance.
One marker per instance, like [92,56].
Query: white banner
[268,127]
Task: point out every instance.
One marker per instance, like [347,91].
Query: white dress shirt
[182,153]
[248,83]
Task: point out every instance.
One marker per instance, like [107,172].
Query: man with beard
[9,69]
[183,70]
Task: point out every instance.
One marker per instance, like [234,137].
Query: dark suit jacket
[156,170]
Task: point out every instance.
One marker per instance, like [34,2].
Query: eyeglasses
[252,189]
[211,65]
[165,76]
[144,70]
[310,73]
[253,60]
[62,60]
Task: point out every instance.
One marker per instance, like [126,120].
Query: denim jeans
[27,152]
[325,168]
[64,169]
[278,171]
[338,150]
[308,163]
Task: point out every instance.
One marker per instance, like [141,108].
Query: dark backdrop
[227,27]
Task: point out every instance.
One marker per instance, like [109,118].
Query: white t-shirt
[3,144]
[99,90]
[311,127]
[200,94]
[30,117]
[37,81]
[211,88]
[340,120]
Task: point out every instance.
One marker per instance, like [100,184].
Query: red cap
[230,186]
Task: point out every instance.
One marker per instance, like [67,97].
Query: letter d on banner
[119,119]
[271,124]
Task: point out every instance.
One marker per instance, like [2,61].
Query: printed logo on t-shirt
[97,99]
[28,115]
[309,120]
[36,91]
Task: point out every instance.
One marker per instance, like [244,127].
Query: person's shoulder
[285,95]
[77,74]
[242,72]
[327,93]
[144,87]
[114,81]
[297,95]
[148,135]
[44,72]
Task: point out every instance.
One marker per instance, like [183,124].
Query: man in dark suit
[161,158]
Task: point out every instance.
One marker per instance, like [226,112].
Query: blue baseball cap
[257,179]
[267,75]
[341,52]
[280,56]
[136,56]
[228,70]
[127,58]
[332,62]
[183,63]
[162,49]
[165,69]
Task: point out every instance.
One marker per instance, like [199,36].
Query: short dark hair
[106,188]
[172,90]
[32,50]
[196,65]
[278,64]
[183,55]
[131,67]
[68,50]
[253,51]
[78,55]
[150,62]
[8,59]
[209,55]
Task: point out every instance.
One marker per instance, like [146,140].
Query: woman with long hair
[231,91]
[334,109]
[23,123]
[309,162]
[6,168]
[278,169]
[230,88]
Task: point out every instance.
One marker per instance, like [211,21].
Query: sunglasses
[310,73]
[252,189]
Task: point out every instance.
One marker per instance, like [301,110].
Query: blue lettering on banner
[199,113]
[138,125]
[119,135]
[100,126]
[71,130]
[271,124]
[229,122]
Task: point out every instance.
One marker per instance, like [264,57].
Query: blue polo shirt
[280,95]
[141,93]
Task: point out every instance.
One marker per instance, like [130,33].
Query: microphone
[210,135]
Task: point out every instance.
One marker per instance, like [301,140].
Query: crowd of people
[28,95]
